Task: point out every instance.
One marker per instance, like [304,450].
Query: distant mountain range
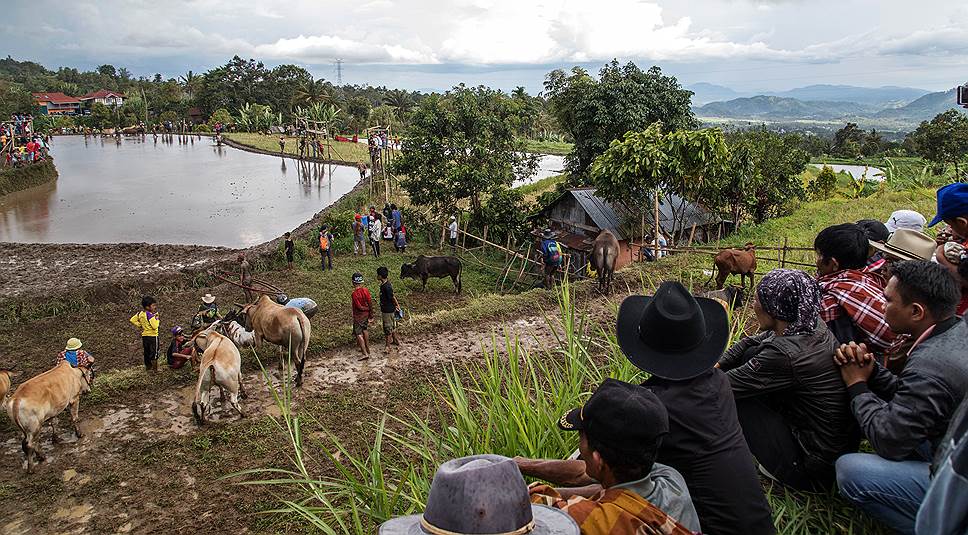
[880,107]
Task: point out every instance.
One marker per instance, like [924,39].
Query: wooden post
[656,237]
[783,259]
[779,254]
[692,234]
[508,248]
[463,237]
[443,235]
[641,236]
[485,234]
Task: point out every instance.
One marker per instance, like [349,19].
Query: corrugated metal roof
[599,210]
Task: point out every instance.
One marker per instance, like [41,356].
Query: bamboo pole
[692,234]
[656,237]
[463,239]
[492,244]
[485,233]
[783,259]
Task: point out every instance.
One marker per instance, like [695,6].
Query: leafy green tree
[358,108]
[822,186]
[779,163]
[624,98]
[848,141]
[687,163]
[221,115]
[942,140]
[14,98]
[232,85]
[506,214]
[461,146]
[101,116]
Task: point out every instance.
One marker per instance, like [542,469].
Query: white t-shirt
[453,229]
[376,229]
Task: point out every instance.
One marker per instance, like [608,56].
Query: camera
[962,93]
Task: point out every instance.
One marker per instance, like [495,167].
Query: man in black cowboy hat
[481,494]
[678,339]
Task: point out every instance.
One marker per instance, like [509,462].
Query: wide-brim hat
[481,494]
[208,299]
[907,244]
[672,334]
[73,344]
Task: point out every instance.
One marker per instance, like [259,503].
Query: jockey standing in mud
[245,278]
[76,356]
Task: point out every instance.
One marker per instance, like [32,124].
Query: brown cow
[41,398]
[5,382]
[740,262]
[605,250]
[221,366]
[283,326]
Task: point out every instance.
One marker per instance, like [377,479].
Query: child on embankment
[147,320]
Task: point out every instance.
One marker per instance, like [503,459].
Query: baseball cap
[357,278]
[875,230]
[908,219]
[952,202]
[627,417]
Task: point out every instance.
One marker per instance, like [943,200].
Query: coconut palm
[190,82]
[311,92]
[400,100]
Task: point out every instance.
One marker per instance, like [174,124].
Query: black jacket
[897,413]
[798,376]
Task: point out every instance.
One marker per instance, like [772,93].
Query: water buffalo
[438,267]
[740,262]
[605,252]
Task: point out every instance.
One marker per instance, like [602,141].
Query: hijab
[792,296]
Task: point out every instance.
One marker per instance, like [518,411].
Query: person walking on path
[362,314]
[452,227]
[147,320]
[290,250]
[376,232]
[361,167]
[282,145]
[325,247]
[359,235]
[245,278]
[389,308]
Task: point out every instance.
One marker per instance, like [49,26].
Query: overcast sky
[435,44]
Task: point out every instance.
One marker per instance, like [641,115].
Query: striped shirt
[860,296]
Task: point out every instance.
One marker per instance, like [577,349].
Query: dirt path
[82,500]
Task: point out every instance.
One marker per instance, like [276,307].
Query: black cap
[875,230]
[627,417]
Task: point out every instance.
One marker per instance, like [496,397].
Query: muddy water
[140,190]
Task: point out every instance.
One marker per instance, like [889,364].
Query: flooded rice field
[183,192]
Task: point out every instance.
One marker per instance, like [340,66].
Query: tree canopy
[623,99]
[461,146]
[943,139]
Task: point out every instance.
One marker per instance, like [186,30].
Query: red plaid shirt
[860,296]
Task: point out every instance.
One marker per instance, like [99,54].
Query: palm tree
[310,92]
[519,93]
[400,100]
[190,82]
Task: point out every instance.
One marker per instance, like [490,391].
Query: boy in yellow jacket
[147,320]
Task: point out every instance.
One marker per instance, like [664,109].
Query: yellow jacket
[148,327]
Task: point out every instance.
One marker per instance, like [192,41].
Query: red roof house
[108,98]
[57,103]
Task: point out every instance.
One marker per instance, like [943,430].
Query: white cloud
[325,48]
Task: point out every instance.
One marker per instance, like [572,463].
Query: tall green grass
[508,403]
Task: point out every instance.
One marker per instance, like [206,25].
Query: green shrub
[822,187]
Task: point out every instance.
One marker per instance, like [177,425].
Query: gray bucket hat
[477,495]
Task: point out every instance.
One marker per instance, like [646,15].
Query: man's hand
[857,372]
[852,353]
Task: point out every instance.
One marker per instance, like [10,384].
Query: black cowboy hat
[672,334]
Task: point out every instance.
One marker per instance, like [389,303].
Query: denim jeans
[890,491]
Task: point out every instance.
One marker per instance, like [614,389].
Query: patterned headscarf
[793,296]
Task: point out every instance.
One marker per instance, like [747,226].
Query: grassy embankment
[342,150]
[559,148]
[20,178]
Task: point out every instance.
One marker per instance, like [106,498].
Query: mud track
[100,485]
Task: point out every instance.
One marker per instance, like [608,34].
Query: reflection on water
[169,190]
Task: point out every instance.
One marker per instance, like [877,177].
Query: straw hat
[73,344]
[907,244]
[208,299]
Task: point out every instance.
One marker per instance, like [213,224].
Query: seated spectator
[953,257]
[481,494]
[76,356]
[944,510]
[705,442]
[953,210]
[906,219]
[852,300]
[178,354]
[904,244]
[876,233]
[619,456]
[904,416]
[790,398]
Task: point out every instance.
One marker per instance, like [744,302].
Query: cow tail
[201,377]
[15,412]
[306,330]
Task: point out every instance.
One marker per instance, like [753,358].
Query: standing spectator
[362,314]
[401,240]
[359,236]
[905,416]
[282,144]
[325,247]
[245,278]
[551,253]
[361,167]
[389,308]
[852,300]
[387,215]
[376,233]
[290,250]
[452,227]
[397,217]
[148,322]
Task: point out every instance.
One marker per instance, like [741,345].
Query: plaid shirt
[615,511]
[860,296]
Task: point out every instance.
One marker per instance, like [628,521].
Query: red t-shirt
[362,304]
